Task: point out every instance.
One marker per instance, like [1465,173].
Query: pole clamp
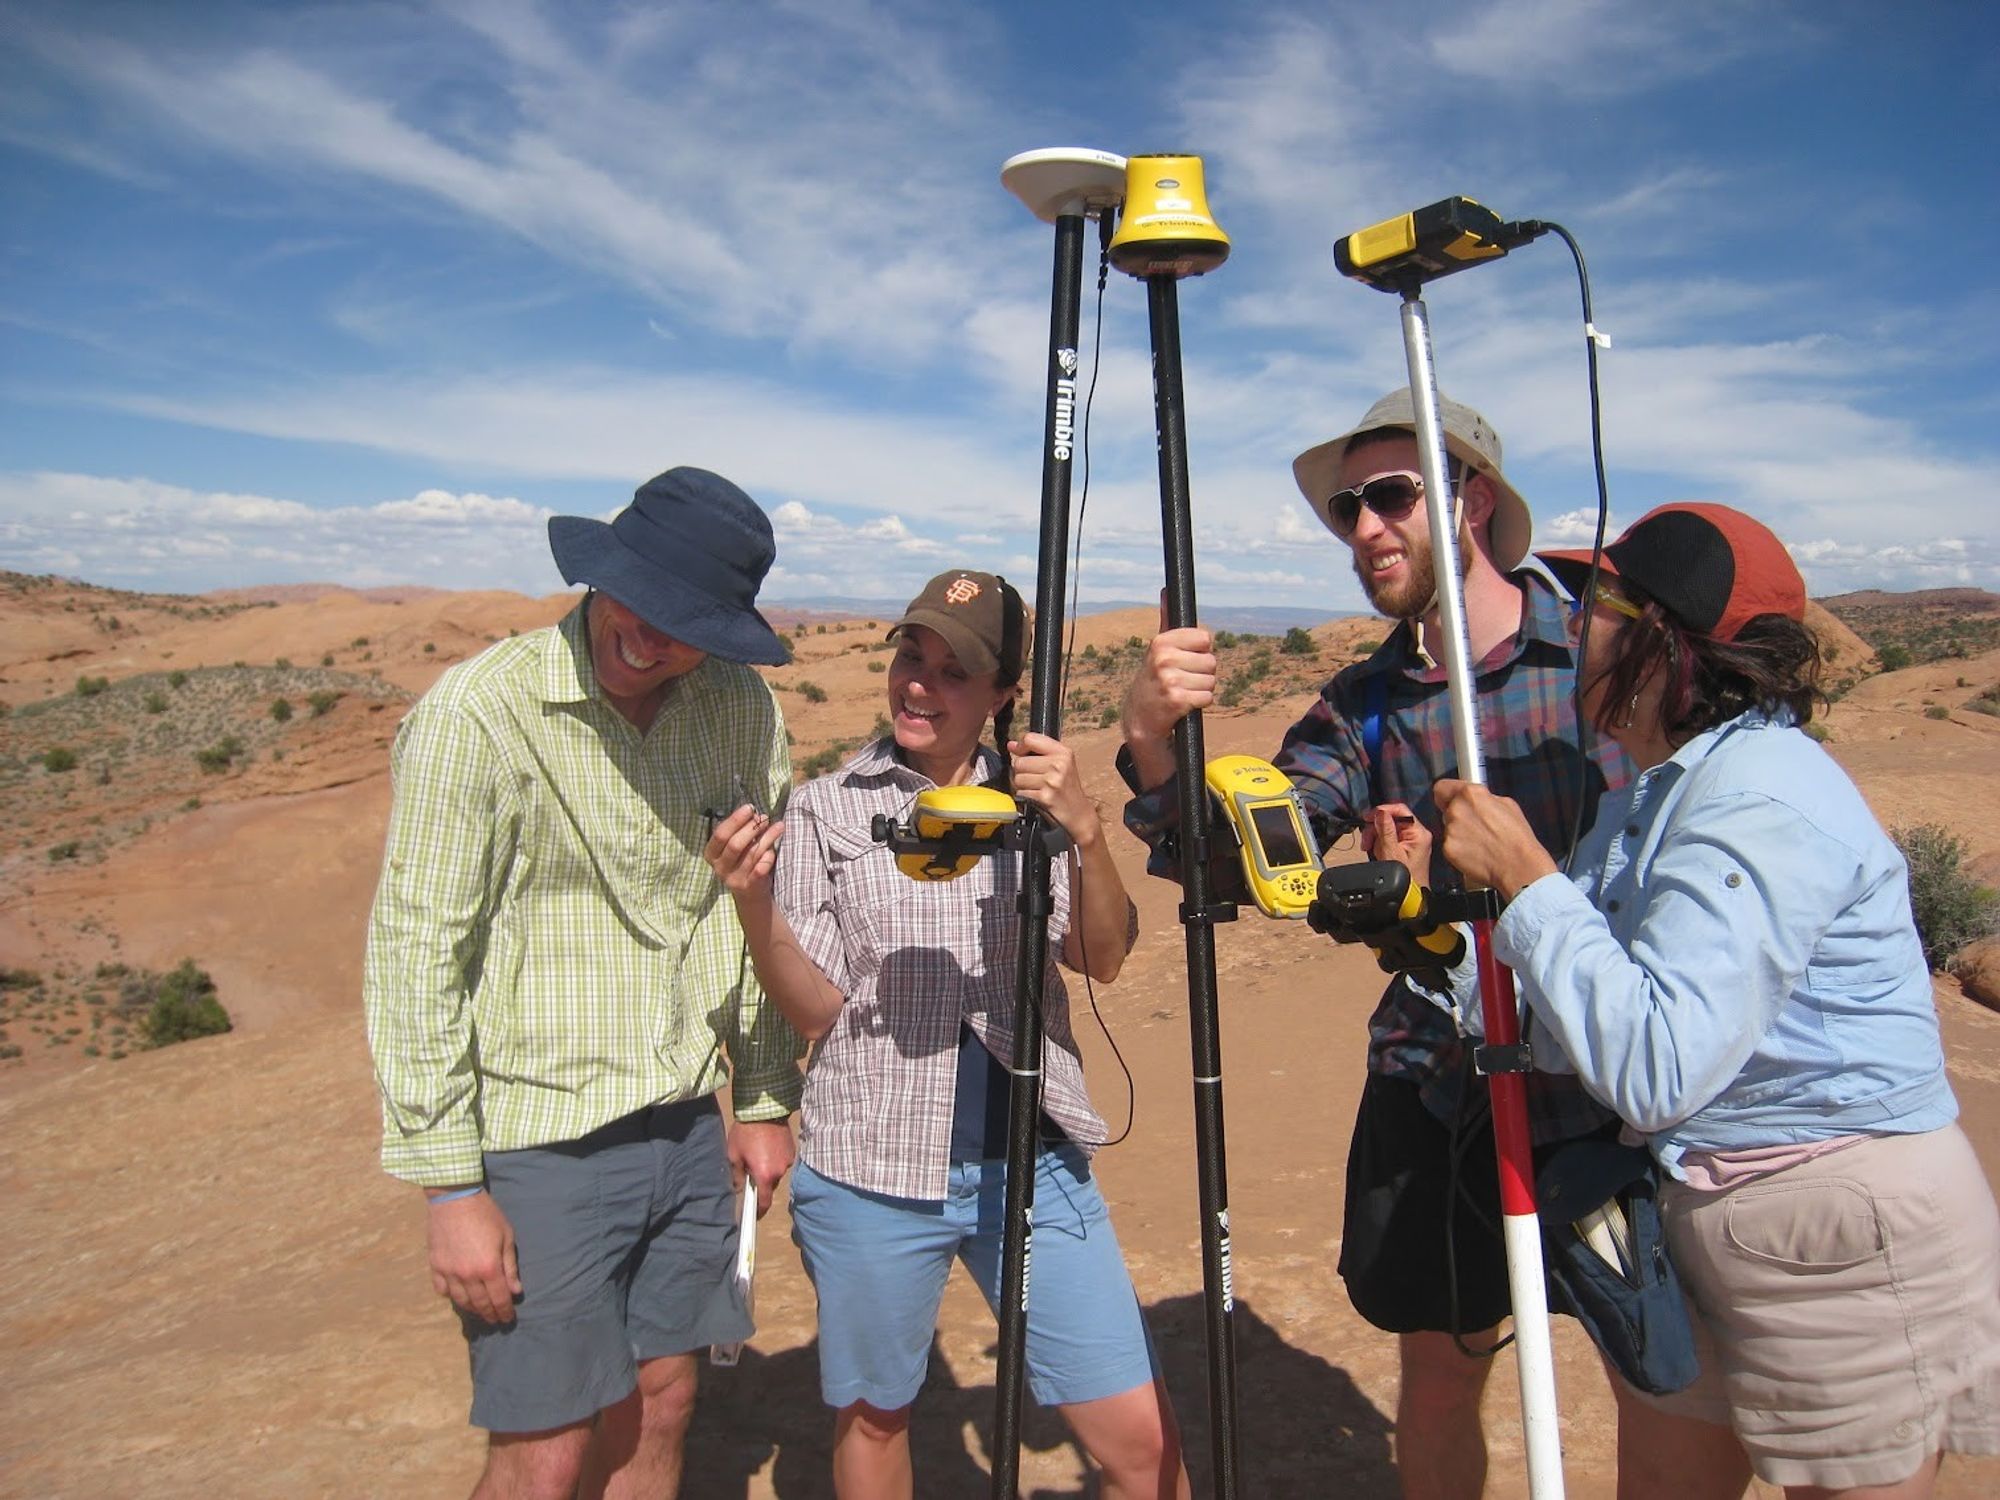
[1207,916]
[1508,1057]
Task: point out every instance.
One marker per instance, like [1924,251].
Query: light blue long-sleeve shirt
[1732,961]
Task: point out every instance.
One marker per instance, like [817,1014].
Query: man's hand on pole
[762,1151]
[1176,678]
[472,1257]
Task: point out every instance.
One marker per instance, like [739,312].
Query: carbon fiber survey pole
[1500,1057]
[1066,187]
[1166,233]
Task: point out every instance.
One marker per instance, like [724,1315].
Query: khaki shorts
[1847,1310]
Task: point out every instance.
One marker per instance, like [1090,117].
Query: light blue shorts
[879,1266]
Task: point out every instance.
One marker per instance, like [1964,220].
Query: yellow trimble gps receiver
[1280,859]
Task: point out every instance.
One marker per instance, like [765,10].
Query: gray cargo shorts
[626,1240]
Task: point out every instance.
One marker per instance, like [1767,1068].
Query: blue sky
[363,292]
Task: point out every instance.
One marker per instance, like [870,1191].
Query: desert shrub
[68,849]
[1225,639]
[1951,908]
[218,757]
[1297,642]
[184,1007]
[154,702]
[19,979]
[177,678]
[1987,702]
[430,647]
[359,641]
[322,702]
[283,664]
[90,687]
[821,630]
[823,761]
[59,758]
[878,666]
[1937,711]
[1368,648]
[812,692]
[1818,732]
[281,710]
[1893,657]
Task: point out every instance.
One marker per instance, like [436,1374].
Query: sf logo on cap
[962,591]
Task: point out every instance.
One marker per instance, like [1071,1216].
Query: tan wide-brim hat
[1468,437]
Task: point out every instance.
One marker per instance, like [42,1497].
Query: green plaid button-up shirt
[547,950]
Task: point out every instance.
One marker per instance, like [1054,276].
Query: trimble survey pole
[1400,256]
[1166,233]
[1064,187]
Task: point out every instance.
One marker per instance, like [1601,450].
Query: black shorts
[1395,1257]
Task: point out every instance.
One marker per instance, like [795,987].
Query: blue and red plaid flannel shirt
[1528,734]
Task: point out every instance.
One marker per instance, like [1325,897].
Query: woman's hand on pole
[1045,773]
[1487,839]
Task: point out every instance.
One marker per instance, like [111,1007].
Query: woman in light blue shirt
[1731,964]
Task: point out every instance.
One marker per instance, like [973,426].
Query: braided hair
[1013,659]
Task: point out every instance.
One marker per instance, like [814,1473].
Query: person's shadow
[1304,1428]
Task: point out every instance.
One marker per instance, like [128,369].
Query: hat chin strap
[1465,547]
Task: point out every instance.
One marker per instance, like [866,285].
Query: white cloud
[139,533]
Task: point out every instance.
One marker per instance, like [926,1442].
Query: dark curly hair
[1773,663]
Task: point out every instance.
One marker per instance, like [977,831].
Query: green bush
[812,692]
[281,710]
[878,666]
[68,849]
[60,758]
[1297,642]
[322,701]
[90,687]
[429,647]
[154,702]
[177,678]
[1224,639]
[1937,711]
[1987,702]
[184,1008]
[218,757]
[283,664]
[326,660]
[1951,908]
[1893,658]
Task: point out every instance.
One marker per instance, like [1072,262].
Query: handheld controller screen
[1280,858]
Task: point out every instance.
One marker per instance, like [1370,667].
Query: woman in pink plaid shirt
[906,990]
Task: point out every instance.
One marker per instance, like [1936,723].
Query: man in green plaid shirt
[556,990]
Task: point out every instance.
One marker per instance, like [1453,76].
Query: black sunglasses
[1391,496]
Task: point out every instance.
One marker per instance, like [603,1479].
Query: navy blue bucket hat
[687,557]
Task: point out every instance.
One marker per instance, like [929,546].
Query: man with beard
[1421,1251]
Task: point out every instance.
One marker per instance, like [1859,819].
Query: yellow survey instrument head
[968,820]
[1166,229]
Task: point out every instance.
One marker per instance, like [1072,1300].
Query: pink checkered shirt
[913,959]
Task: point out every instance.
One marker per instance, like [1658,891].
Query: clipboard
[746,1274]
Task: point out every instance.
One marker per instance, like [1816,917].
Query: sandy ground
[212,1291]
